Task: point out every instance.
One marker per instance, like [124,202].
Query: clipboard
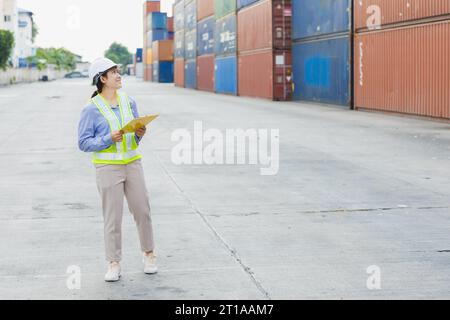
[137,123]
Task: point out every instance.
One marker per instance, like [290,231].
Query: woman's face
[113,79]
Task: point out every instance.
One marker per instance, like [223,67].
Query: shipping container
[190,45]
[149,56]
[179,44]
[148,73]
[139,55]
[190,74]
[373,14]
[190,15]
[157,20]
[155,35]
[405,70]
[322,71]
[178,13]
[316,18]
[163,71]
[224,7]
[162,50]
[139,70]
[205,8]
[225,75]
[179,72]
[205,73]
[205,36]
[244,3]
[151,6]
[170,26]
[266,24]
[171,35]
[225,35]
[273,71]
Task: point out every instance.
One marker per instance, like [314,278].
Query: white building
[24,44]
[20,23]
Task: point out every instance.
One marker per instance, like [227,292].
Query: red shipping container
[205,73]
[266,74]
[405,70]
[170,24]
[162,50]
[384,12]
[151,6]
[205,8]
[270,20]
[179,72]
[148,73]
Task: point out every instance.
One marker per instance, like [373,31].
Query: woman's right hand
[116,136]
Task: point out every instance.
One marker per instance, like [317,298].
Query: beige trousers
[113,182]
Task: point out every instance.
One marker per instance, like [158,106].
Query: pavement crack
[232,251]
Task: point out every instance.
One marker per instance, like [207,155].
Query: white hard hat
[98,67]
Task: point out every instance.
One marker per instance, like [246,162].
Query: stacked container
[205,44]
[162,53]
[178,13]
[402,51]
[149,8]
[138,63]
[264,49]
[225,69]
[190,44]
[321,51]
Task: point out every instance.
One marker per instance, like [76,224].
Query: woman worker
[117,163]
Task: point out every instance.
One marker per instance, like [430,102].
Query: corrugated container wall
[179,72]
[157,20]
[376,13]
[321,51]
[190,47]
[205,36]
[225,37]
[179,44]
[163,71]
[324,17]
[190,15]
[244,3]
[404,70]
[178,13]
[205,73]
[205,8]
[224,7]
[162,50]
[266,57]
[190,74]
[225,76]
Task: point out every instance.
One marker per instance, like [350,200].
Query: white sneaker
[150,264]
[113,273]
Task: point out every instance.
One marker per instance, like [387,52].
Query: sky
[88,27]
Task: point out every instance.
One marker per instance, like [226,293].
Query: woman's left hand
[141,132]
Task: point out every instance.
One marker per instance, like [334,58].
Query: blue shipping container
[157,20]
[205,36]
[179,44]
[321,71]
[190,15]
[314,18]
[225,37]
[163,71]
[155,35]
[190,45]
[190,74]
[226,75]
[139,55]
[244,3]
[178,13]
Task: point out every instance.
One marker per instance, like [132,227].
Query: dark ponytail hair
[99,87]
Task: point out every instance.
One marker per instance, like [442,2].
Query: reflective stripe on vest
[120,152]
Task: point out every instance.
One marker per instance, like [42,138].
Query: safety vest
[120,152]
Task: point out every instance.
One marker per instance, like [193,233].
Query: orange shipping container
[151,6]
[384,12]
[179,72]
[270,20]
[162,50]
[149,56]
[148,73]
[170,24]
[273,69]
[205,72]
[205,8]
[404,70]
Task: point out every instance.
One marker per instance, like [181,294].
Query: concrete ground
[359,197]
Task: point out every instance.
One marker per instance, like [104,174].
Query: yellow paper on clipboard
[137,123]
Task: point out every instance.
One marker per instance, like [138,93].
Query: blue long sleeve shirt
[94,133]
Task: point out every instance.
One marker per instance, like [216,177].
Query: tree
[6,47]
[119,54]
[62,58]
